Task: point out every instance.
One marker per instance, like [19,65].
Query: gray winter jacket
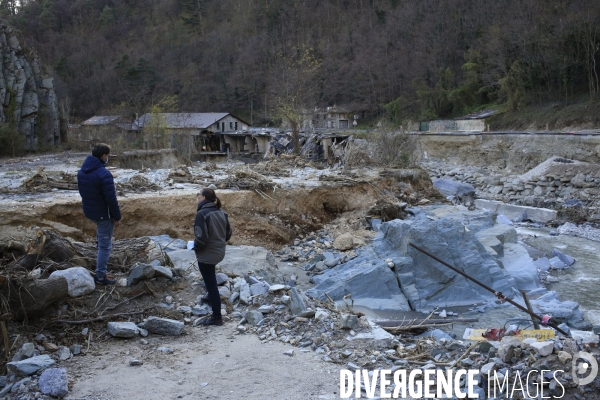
[211,232]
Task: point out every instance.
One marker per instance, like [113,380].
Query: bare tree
[293,88]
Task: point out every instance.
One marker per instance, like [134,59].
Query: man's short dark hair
[100,149]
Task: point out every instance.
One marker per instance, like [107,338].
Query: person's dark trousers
[210,279]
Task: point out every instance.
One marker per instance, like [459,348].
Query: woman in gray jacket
[211,233]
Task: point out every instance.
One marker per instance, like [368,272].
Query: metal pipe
[498,294]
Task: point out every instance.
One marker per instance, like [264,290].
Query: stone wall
[513,153]
[27,94]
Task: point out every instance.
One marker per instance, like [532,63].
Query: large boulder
[79,280]
[371,283]
[454,189]
[426,282]
[241,260]
[419,282]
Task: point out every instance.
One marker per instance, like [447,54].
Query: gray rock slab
[245,293]
[159,270]
[454,188]
[520,267]
[30,366]
[297,304]
[123,329]
[503,219]
[371,285]
[259,288]
[436,334]
[567,259]
[542,263]
[253,317]
[556,263]
[54,382]
[242,260]
[221,278]
[183,259]
[513,211]
[163,326]
[140,272]
[79,280]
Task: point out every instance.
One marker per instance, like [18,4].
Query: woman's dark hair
[210,195]
[100,149]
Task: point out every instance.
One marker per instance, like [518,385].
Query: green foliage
[48,18]
[514,85]
[108,16]
[62,67]
[12,142]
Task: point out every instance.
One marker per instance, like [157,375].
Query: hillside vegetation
[419,59]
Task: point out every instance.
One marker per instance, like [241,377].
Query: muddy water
[580,282]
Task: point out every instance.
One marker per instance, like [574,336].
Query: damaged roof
[184,120]
[101,120]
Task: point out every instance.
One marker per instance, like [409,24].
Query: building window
[236,125]
[222,126]
[230,125]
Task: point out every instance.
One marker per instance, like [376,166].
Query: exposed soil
[233,365]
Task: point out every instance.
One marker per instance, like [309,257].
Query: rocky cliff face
[28,99]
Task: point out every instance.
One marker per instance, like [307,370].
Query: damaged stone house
[339,117]
[194,134]
[112,129]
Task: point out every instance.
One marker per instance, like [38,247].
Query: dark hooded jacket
[97,190]
[211,232]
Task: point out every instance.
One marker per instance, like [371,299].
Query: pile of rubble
[261,299]
[243,178]
[41,181]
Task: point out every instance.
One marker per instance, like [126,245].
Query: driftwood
[125,252]
[23,296]
[49,245]
[29,298]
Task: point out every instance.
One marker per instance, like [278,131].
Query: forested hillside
[426,58]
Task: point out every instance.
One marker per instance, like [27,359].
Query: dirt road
[206,363]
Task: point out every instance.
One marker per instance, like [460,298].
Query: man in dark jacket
[99,199]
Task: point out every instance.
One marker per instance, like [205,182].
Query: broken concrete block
[348,321]
[543,348]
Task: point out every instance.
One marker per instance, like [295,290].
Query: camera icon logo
[584,368]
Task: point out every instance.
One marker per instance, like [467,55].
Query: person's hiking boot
[212,321]
[105,281]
